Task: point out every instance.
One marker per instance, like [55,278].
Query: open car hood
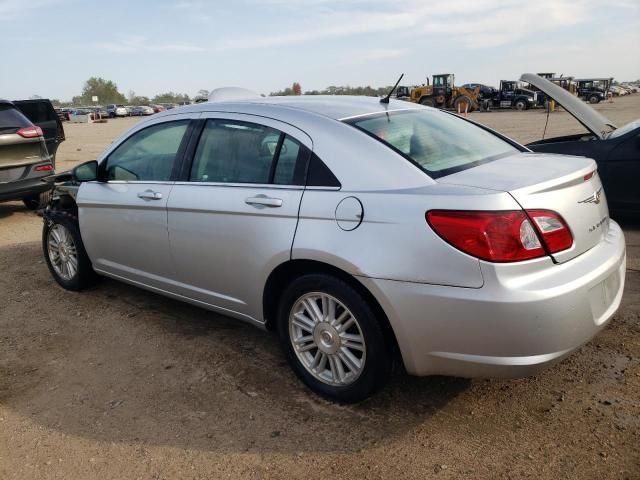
[587,116]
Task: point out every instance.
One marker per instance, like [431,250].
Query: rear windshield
[11,119]
[438,143]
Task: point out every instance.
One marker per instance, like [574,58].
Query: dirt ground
[117,382]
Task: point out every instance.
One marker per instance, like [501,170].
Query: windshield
[625,129]
[439,143]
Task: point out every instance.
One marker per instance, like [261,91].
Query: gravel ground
[120,383]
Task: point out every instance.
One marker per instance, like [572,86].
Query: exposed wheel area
[332,338]
[64,251]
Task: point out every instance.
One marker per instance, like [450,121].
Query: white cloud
[138,44]
[477,24]
[12,9]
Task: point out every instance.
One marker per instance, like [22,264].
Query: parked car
[99,112]
[116,110]
[355,229]
[63,114]
[616,150]
[141,111]
[24,157]
[158,108]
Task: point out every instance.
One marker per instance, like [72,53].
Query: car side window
[231,151]
[148,154]
[291,163]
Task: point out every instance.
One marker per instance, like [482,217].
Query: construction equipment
[443,93]
[512,94]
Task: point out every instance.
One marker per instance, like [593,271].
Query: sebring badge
[594,198]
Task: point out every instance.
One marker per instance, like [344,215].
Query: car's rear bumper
[525,317]
[19,189]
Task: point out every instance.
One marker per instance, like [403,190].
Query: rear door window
[232,151]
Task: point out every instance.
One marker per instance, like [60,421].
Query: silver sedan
[360,231]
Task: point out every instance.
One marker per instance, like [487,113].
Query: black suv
[30,132]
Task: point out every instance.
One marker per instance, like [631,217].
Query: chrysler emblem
[593,198]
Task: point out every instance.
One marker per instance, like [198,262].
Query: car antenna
[386,99]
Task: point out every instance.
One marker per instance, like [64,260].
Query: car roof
[337,107]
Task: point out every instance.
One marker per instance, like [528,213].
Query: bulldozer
[443,93]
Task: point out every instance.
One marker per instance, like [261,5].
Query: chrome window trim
[137,182]
[243,185]
[222,184]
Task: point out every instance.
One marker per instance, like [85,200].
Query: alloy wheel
[327,339]
[62,252]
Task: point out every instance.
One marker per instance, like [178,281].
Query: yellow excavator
[443,93]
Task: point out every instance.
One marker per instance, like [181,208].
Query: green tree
[105,90]
[171,97]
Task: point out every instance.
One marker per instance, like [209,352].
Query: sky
[50,47]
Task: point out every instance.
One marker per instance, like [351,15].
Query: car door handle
[150,195]
[261,201]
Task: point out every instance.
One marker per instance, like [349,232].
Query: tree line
[107,92]
[296,89]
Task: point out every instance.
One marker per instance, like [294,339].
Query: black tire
[378,361]
[594,99]
[84,276]
[460,102]
[37,201]
[520,105]
[427,102]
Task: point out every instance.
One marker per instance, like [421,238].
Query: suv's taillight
[502,236]
[30,132]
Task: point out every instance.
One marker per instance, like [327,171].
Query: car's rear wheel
[332,338]
[64,251]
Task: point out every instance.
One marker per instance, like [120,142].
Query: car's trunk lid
[16,151]
[563,184]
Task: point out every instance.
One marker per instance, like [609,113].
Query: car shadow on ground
[119,364]
[9,208]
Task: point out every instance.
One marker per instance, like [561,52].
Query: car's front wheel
[332,338]
[594,99]
[64,251]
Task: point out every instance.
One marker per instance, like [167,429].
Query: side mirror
[85,172]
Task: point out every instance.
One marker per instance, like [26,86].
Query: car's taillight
[502,236]
[44,168]
[552,228]
[30,132]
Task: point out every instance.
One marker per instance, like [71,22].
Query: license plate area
[602,296]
